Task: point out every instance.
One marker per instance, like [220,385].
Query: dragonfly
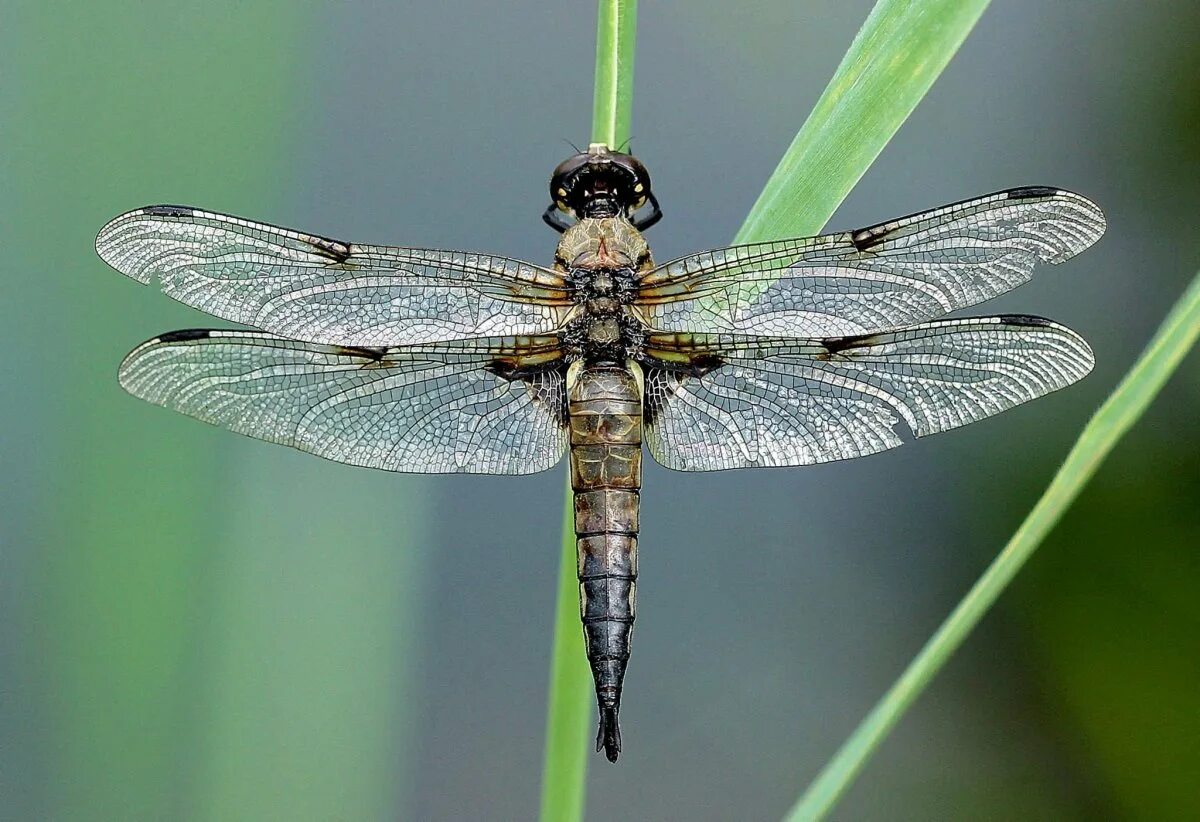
[770,354]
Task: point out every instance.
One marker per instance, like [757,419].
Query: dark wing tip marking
[113,242]
[167,211]
[334,250]
[1033,192]
[184,335]
[111,253]
[1086,357]
[864,239]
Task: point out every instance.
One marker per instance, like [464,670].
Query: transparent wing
[488,406]
[313,288]
[730,401]
[891,275]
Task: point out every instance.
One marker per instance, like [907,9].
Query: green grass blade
[1120,411]
[564,773]
[612,102]
[570,707]
[900,50]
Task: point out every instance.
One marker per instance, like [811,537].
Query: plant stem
[564,772]
[612,102]
[1119,412]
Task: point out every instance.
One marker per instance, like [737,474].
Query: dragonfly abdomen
[606,475]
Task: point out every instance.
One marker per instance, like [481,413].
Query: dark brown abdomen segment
[606,475]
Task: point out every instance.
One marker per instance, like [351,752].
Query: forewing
[328,291]
[729,401]
[894,274]
[487,406]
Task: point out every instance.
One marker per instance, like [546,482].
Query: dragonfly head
[600,182]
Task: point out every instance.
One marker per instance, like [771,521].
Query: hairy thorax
[603,258]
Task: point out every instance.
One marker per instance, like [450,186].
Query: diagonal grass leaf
[898,53]
[1119,412]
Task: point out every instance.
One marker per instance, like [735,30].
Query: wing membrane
[731,401]
[321,290]
[488,406]
[894,274]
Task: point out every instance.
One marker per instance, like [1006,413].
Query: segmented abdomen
[606,475]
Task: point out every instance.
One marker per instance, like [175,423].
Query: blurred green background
[196,625]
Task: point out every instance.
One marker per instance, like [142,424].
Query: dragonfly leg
[554,218]
[642,223]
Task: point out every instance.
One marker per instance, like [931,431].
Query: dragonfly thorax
[603,289]
[602,243]
[603,332]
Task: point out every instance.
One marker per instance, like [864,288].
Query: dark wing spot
[697,364]
[168,211]
[866,238]
[664,378]
[1032,192]
[186,335]
[512,369]
[374,354]
[836,345]
[702,364]
[505,369]
[335,250]
[659,386]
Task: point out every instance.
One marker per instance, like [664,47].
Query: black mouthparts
[600,205]
[608,736]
